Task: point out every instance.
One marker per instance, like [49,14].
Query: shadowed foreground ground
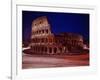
[46,61]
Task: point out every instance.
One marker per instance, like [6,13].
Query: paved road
[44,61]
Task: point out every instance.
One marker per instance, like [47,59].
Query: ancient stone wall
[43,41]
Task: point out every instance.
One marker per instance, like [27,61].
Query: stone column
[52,50]
[58,51]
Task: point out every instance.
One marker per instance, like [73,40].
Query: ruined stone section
[40,27]
[43,41]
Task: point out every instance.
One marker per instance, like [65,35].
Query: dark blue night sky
[60,22]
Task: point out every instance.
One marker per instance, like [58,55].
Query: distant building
[43,41]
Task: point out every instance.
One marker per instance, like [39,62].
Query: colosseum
[44,41]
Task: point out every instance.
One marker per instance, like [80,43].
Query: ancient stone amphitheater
[43,41]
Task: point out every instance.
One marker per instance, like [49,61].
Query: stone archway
[50,50]
[55,50]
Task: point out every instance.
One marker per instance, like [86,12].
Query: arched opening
[45,49]
[42,31]
[42,39]
[42,49]
[50,50]
[47,31]
[55,50]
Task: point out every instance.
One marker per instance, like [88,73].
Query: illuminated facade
[43,41]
